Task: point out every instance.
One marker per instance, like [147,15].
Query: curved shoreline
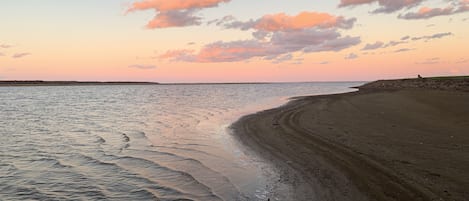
[407,144]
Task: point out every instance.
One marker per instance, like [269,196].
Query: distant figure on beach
[420,77]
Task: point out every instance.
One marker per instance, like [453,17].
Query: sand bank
[408,143]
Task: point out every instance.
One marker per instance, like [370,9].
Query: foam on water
[164,142]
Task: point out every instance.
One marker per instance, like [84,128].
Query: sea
[138,142]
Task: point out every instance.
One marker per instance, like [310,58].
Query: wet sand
[407,143]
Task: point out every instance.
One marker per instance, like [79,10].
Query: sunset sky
[232,40]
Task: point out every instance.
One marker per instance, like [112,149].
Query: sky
[232,40]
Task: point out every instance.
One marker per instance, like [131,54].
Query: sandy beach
[392,140]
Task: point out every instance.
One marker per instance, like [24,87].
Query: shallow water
[163,142]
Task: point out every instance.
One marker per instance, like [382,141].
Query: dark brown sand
[407,144]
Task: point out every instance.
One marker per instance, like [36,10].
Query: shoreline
[378,143]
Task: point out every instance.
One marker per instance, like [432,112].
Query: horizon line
[74,82]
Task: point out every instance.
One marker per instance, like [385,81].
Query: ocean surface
[160,142]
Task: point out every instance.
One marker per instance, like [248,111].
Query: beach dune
[388,141]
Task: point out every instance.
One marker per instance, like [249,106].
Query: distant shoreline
[12,83]
[66,83]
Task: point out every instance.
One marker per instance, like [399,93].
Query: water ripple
[163,142]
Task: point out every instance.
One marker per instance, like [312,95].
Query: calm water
[165,142]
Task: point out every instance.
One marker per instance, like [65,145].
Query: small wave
[47,163]
[219,183]
[178,179]
[93,162]
[143,194]
[161,191]
[185,150]
[7,169]
[100,140]
[23,193]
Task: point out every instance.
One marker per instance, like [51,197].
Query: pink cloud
[303,20]
[173,19]
[280,43]
[275,38]
[231,51]
[165,5]
[177,55]
[386,6]
[284,22]
[174,13]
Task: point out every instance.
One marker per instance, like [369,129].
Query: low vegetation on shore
[460,83]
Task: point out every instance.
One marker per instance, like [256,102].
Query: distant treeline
[65,83]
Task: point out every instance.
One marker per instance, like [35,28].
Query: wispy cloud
[21,55]
[174,13]
[324,62]
[385,6]
[426,12]
[297,61]
[403,50]
[461,61]
[281,58]
[143,67]
[351,56]
[373,46]
[434,36]
[5,46]
[177,55]
[434,60]
[403,40]
[223,20]
[394,43]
